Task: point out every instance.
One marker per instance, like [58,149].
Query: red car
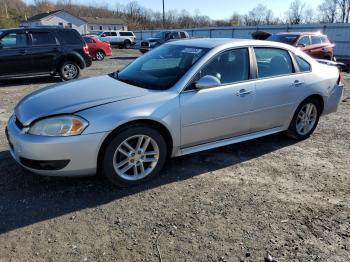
[97,48]
[314,44]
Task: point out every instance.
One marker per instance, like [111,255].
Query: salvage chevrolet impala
[181,98]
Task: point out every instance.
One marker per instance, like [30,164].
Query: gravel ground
[236,203]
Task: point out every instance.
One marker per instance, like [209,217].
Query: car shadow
[29,81]
[26,198]
[124,57]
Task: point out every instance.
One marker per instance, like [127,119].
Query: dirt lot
[237,203]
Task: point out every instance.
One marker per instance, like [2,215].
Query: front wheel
[305,119]
[127,44]
[69,70]
[134,156]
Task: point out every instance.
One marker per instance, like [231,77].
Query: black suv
[161,38]
[28,52]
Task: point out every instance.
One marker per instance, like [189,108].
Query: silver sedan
[181,98]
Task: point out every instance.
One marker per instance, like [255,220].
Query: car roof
[300,33]
[232,42]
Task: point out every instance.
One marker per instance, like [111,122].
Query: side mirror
[103,35]
[301,45]
[207,82]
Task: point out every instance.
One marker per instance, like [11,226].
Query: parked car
[30,52]
[161,38]
[124,39]
[97,48]
[181,98]
[316,44]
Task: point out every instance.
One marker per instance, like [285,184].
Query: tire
[126,168]
[69,70]
[127,44]
[99,55]
[302,126]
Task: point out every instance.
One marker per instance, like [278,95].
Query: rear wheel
[134,156]
[69,70]
[305,119]
[99,55]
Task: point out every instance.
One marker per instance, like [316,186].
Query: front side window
[229,67]
[113,33]
[273,62]
[183,35]
[43,38]
[304,41]
[304,66]
[13,40]
[161,68]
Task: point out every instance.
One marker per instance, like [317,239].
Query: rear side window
[14,40]
[316,40]
[113,33]
[88,40]
[43,38]
[273,62]
[304,66]
[69,37]
[126,34]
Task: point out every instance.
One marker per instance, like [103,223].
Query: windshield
[287,39]
[161,68]
[161,35]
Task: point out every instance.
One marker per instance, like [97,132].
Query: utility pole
[163,14]
[6,12]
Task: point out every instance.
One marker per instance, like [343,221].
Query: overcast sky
[216,9]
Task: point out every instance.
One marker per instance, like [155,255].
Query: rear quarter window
[69,37]
[304,66]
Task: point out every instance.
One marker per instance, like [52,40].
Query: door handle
[23,52]
[298,83]
[243,92]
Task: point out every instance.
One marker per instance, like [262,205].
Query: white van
[124,39]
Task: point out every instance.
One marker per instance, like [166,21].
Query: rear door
[14,54]
[278,88]
[317,47]
[44,50]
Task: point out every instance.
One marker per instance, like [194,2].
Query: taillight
[340,78]
[86,49]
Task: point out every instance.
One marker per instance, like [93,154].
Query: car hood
[74,96]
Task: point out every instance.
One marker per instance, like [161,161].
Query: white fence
[338,33]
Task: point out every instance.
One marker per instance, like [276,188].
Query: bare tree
[328,11]
[295,14]
[258,15]
[344,10]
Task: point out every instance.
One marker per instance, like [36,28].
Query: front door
[14,55]
[220,112]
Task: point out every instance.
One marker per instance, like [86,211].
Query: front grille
[145,44]
[19,124]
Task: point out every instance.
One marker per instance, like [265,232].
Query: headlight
[59,126]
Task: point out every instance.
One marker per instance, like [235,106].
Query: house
[64,19]
[97,24]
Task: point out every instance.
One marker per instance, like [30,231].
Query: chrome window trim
[184,90]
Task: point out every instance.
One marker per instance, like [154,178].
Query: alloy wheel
[70,71]
[136,157]
[306,119]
